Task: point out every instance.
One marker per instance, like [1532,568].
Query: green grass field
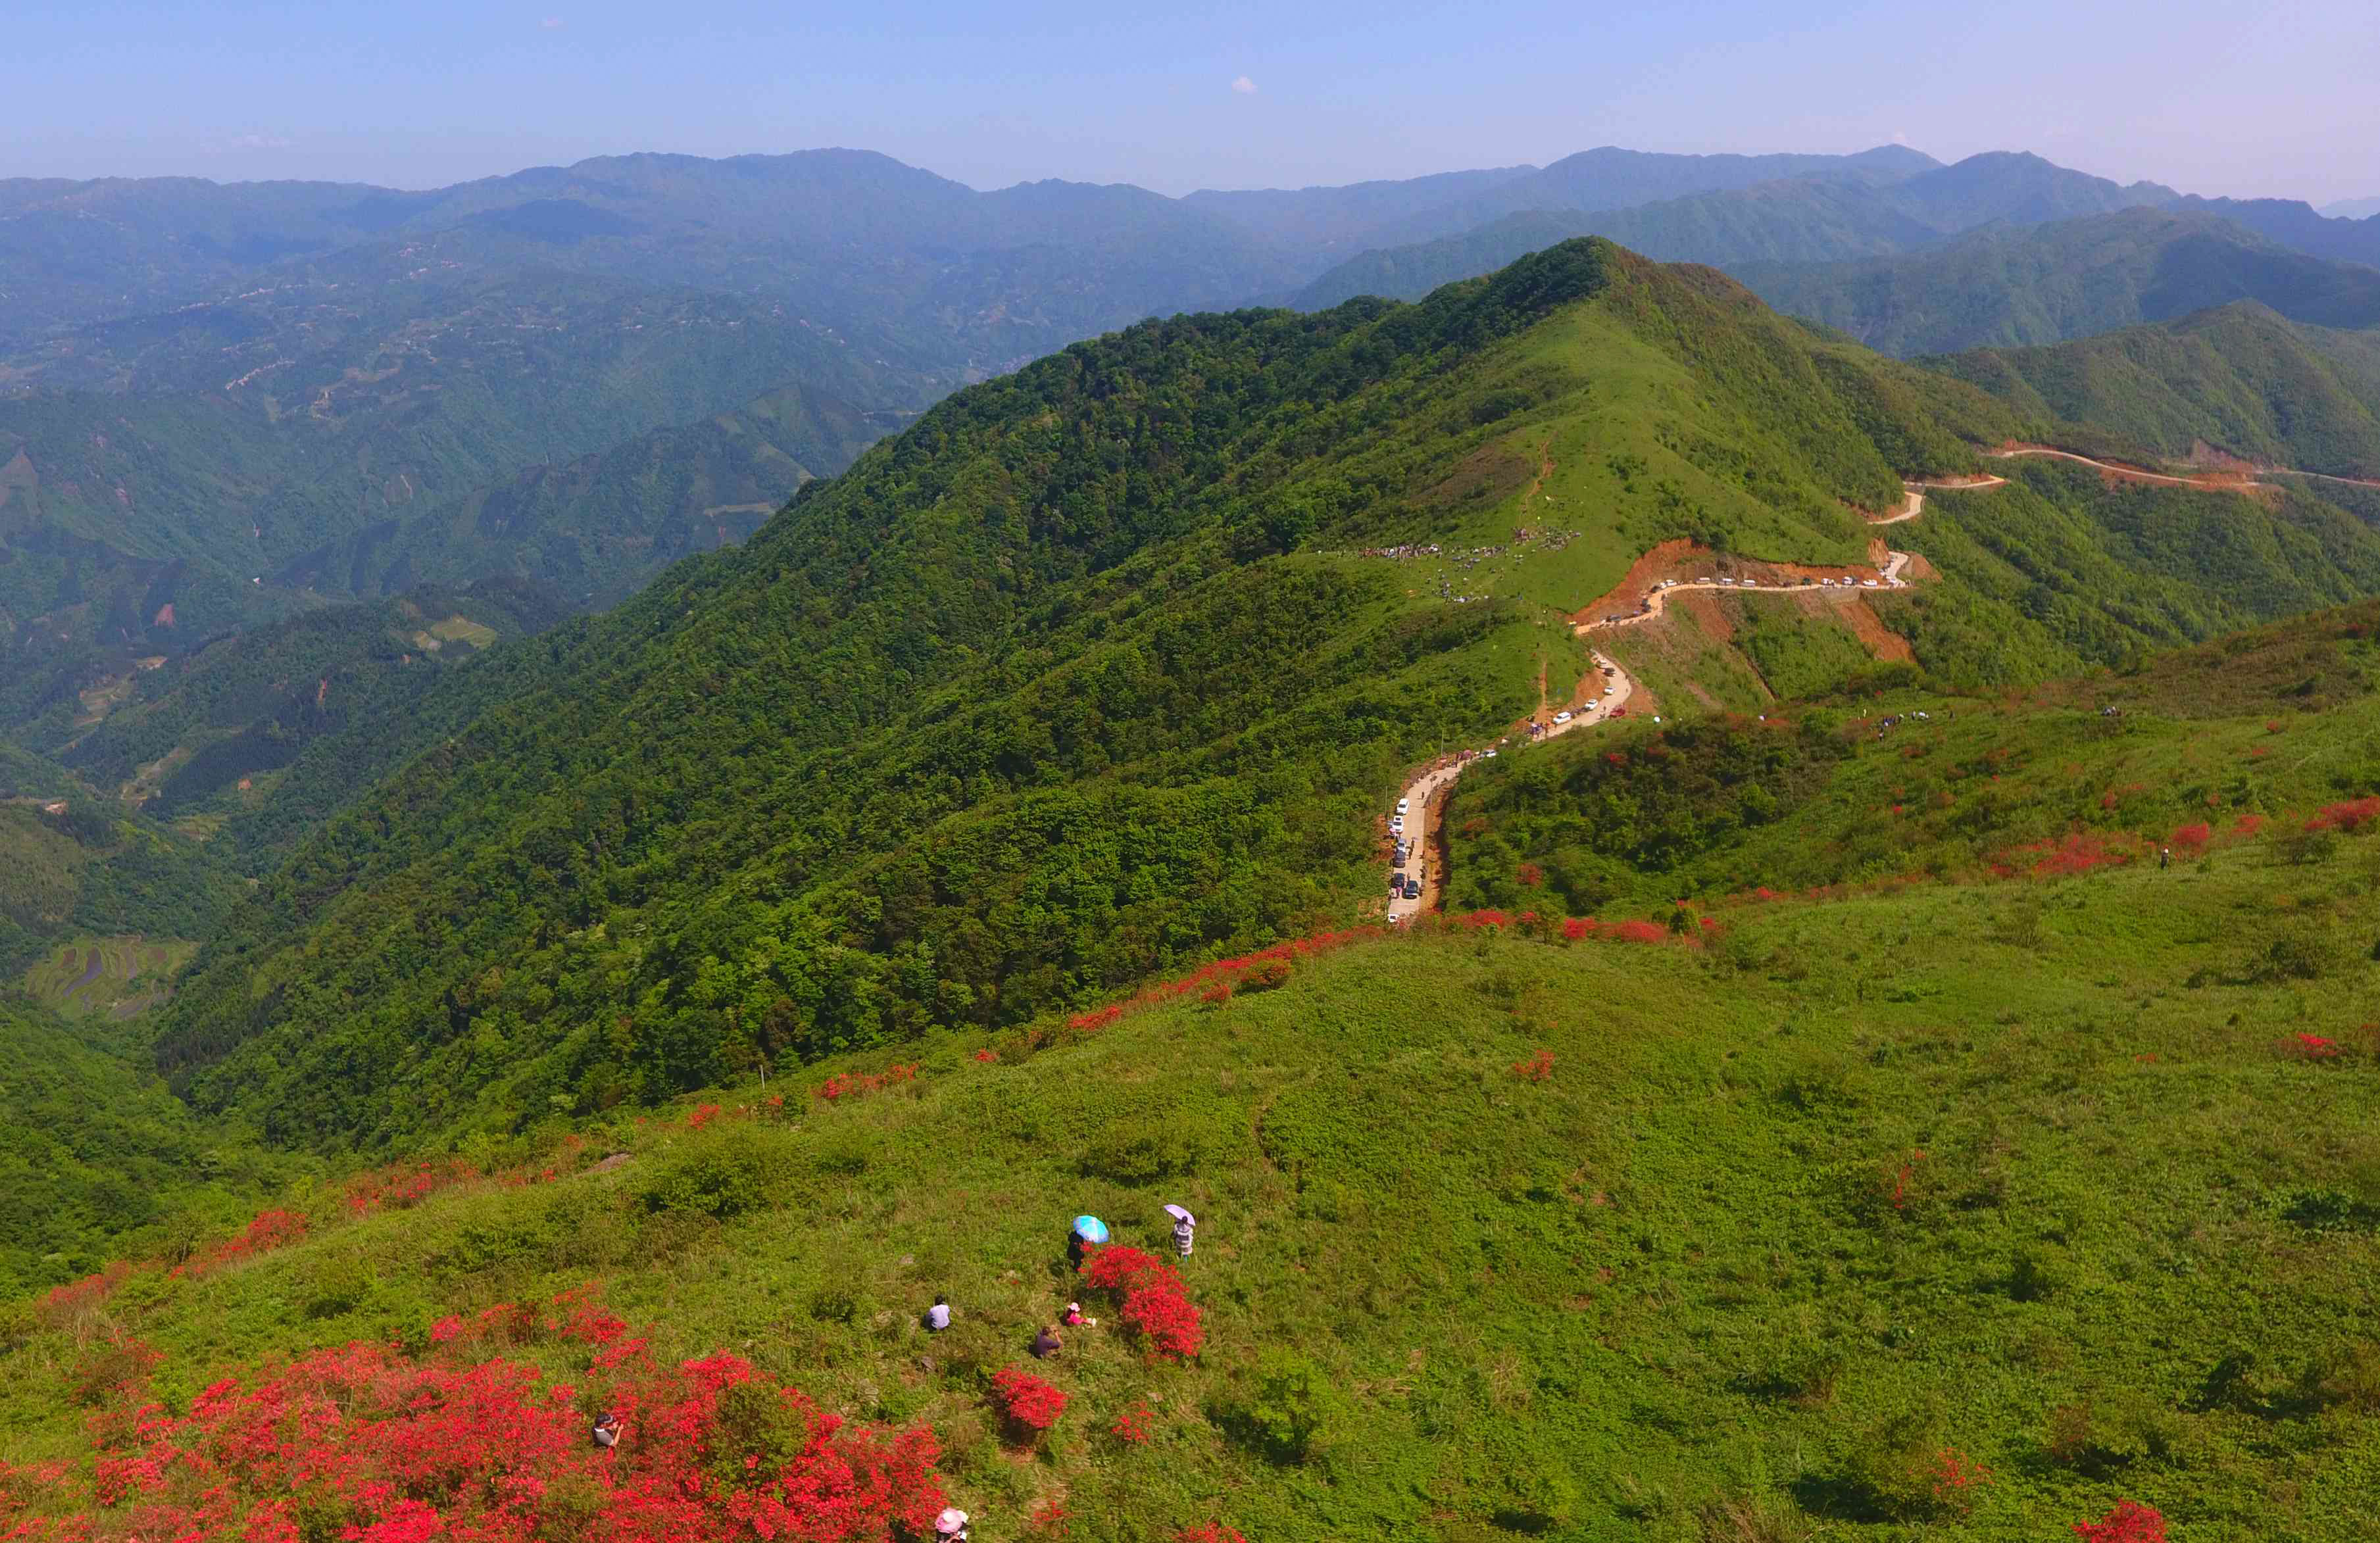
[2034,1171]
[119,977]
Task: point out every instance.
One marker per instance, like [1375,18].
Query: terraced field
[119,977]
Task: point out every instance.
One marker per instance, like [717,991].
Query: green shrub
[1293,1413]
[2099,1436]
[735,1171]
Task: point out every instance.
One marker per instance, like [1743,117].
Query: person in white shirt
[938,1317]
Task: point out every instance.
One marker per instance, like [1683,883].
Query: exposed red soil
[1684,561]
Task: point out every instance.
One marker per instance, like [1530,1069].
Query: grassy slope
[2280,719]
[1016,711]
[1668,1283]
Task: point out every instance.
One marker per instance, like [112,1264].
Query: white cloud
[1244,86]
[259,141]
[550,22]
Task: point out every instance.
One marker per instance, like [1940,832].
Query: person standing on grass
[938,1317]
[2164,856]
[1186,1227]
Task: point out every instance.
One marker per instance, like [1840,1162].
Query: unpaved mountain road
[1425,795]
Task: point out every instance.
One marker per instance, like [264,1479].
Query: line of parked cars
[1403,886]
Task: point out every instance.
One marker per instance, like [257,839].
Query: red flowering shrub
[1477,919]
[987,1056]
[1132,1424]
[2248,825]
[1166,1319]
[1575,928]
[2129,1522]
[1213,1532]
[703,1114]
[1530,876]
[65,1304]
[374,1447]
[1217,994]
[1049,1519]
[2193,838]
[1025,1402]
[1536,1068]
[1266,976]
[847,1085]
[1957,1479]
[1635,932]
[1155,1304]
[2351,816]
[404,1184]
[2312,1046]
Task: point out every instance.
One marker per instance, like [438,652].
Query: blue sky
[2230,98]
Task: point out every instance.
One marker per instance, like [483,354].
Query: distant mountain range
[2351,209]
[222,404]
[1797,220]
[2003,286]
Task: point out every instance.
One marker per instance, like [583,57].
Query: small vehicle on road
[1412,889]
[1561,717]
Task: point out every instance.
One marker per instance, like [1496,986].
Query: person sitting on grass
[1047,1342]
[1075,1318]
[938,1317]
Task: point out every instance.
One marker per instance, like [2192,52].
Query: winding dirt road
[1425,795]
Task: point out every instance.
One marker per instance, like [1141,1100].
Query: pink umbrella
[1179,1215]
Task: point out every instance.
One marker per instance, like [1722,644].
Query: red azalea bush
[1213,1532]
[1025,1400]
[1957,1480]
[2129,1522]
[1536,1068]
[2193,838]
[1132,1424]
[2351,816]
[366,1443]
[1155,1305]
[845,1085]
[1265,975]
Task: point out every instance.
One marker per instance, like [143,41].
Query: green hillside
[2002,288]
[97,1160]
[75,863]
[598,528]
[2241,378]
[197,481]
[1958,1209]
[1080,677]
[260,735]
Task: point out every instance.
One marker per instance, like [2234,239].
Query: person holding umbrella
[1087,1232]
[952,1525]
[1184,1228]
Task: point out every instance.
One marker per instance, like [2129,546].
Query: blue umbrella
[1091,1229]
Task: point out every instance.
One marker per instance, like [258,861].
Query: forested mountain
[2296,225]
[260,735]
[596,529]
[2350,209]
[2240,380]
[2069,279]
[1609,177]
[203,495]
[97,1160]
[74,862]
[1045,695]
[1806,219]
